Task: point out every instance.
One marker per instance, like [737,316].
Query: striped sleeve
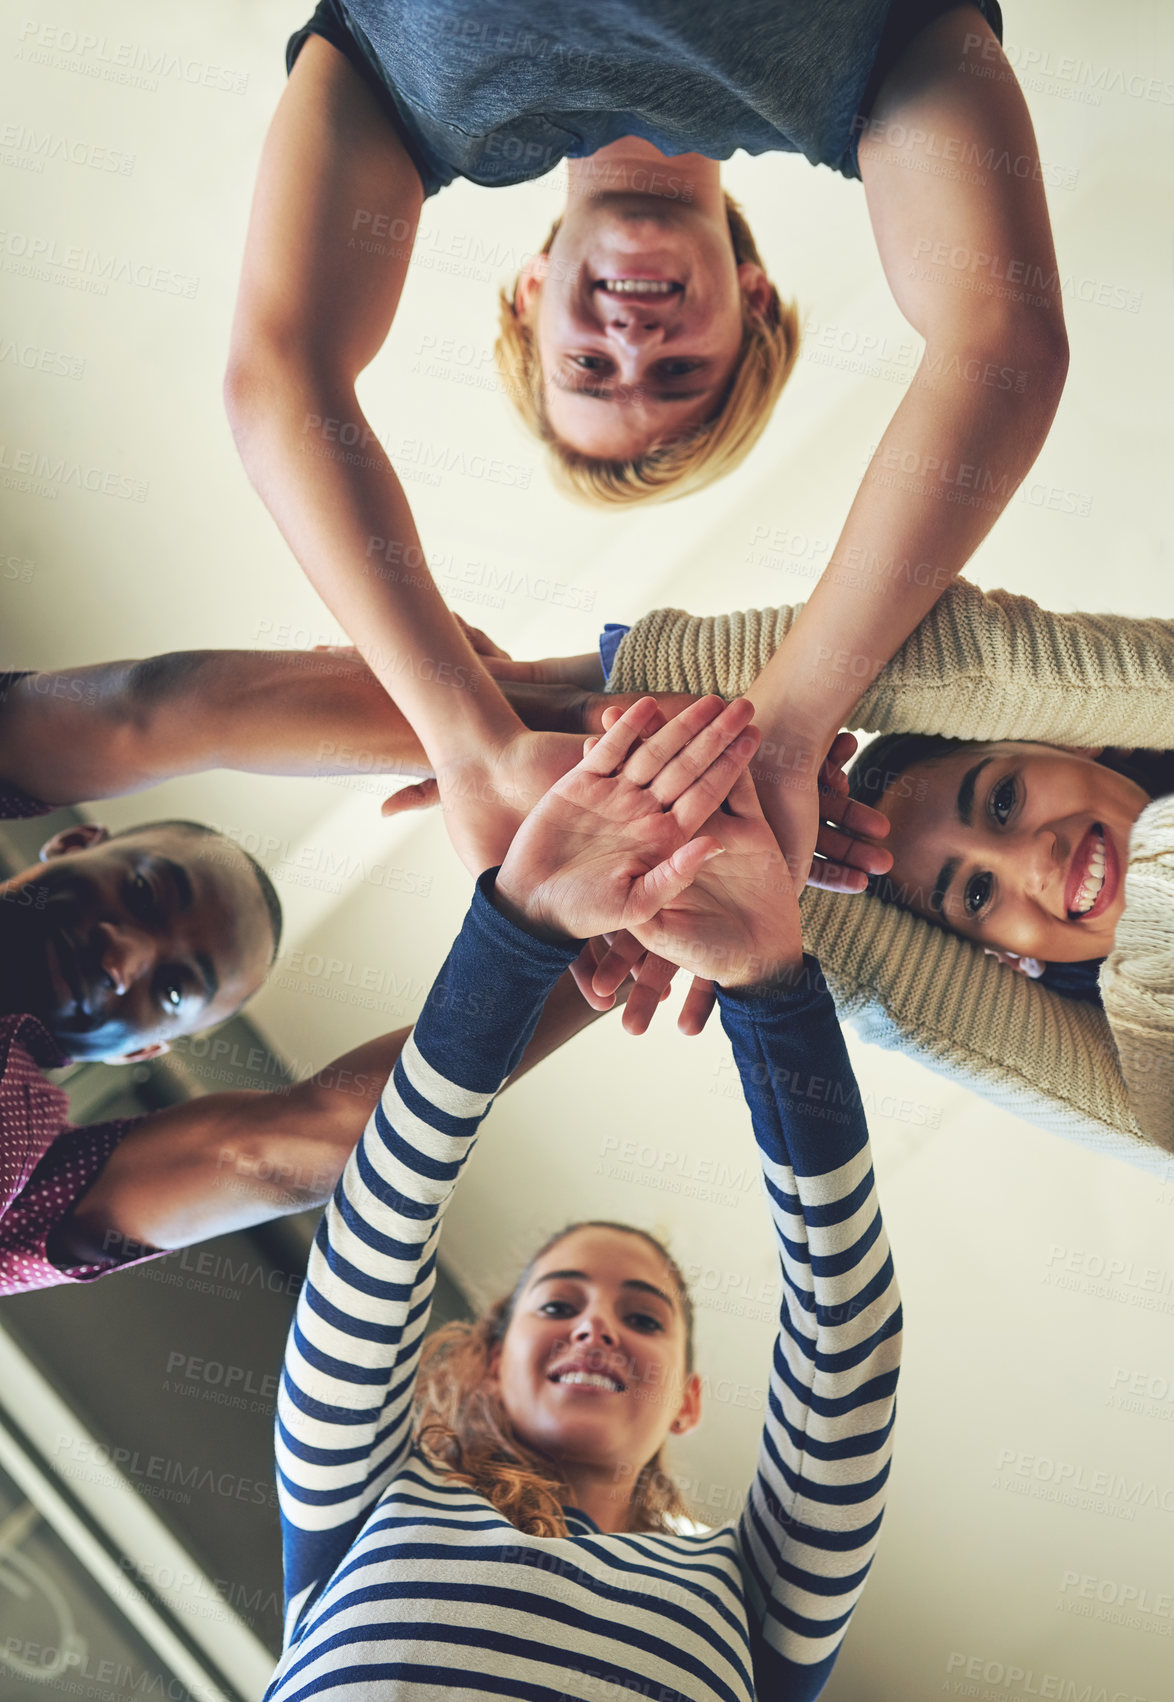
[811,1522]
[344,1407]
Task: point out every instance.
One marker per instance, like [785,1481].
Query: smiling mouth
[589,1380]
[1088,875]
[646,289]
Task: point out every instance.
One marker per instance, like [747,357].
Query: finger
[481,642]
[640,1009]
[742,799]
[698,802]
[858,819]
[613,711]
[842,751]
[840,847]
[421,796]
[699,1002]
[610,750]
[669,878]
[657,753]
[623,955]
[582,971]
[836,877]
[656,974]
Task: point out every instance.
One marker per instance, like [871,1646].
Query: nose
[1041,867]
[594,1327]
[634,328]
[125,954]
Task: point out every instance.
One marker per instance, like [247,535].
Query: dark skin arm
[112,727]
[226,1161]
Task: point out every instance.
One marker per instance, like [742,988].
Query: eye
[645,1322]
[591,363]
[677,368]
[1002,800]
[557,1309]
[141,896]
[977,894]
[170,991]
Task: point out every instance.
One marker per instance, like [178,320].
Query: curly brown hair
[462,1427]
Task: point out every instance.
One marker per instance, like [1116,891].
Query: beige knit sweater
[991,666]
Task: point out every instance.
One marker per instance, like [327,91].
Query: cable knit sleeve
[981,665]
[990,666]
[1137,980]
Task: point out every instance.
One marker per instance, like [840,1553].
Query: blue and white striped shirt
[403,1584]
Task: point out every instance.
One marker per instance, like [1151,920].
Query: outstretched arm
[602,843]
[226,1161]
[812,1518]
[954,185]
[317,298]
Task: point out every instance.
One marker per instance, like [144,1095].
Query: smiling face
[638,313]
[592,1368]
[120,945]
[1021,847]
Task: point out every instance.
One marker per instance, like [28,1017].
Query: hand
[613,841]
[738,922]
[845,852]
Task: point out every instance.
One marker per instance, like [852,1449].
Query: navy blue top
[500,91]
[401,1580]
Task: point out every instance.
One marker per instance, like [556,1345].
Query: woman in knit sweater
[525,1545]
[1022,847]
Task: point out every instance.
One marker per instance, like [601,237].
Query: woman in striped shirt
[421,1563]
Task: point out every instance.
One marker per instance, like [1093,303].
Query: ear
[1029,966]
[756,288]
[530,281]
[155,1050]
[81,837]
[689,1412]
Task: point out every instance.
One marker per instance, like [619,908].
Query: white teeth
[637,286]
[593,1379]
[1094,879]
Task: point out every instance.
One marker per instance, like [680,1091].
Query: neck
[634,166]
[603,1493]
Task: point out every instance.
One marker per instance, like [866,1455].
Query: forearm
[819,1491]
[352,1354]
[953,456]
[344,514]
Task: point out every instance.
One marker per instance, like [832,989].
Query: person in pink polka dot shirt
[112,945]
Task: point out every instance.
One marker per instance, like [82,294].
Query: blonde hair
[463,1430]
[692,460]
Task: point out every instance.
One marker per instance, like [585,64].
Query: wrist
[515,900]
[774,972]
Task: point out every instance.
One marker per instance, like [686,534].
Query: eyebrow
[208,971]
[654,395]
[966,790]
[629,1282]
[965,807]
[181,881]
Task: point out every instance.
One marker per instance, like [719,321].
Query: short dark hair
[268,890]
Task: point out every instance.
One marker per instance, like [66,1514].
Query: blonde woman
[645,341]
[525,1544]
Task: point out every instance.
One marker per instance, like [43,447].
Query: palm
[740,917]
[613,840]
[486,800]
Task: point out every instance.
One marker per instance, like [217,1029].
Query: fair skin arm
[227,1161]
[960,412]
[313,310]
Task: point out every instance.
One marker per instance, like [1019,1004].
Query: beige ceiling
[1025,1376]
